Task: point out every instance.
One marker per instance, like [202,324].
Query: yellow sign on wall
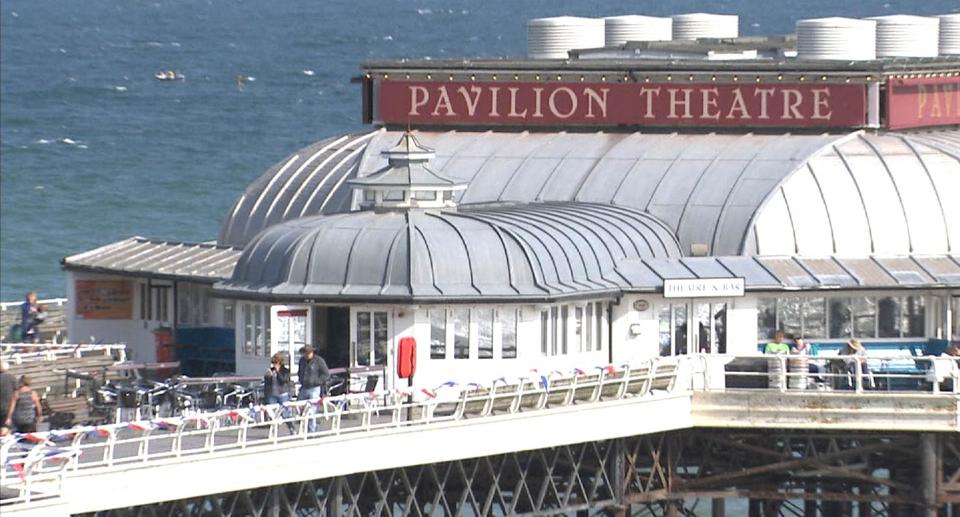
[104,299]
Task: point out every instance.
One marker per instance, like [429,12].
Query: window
[814,316]
[508,324]
[363,338]
[578,328]
[864,317]
[588,325]
[601,319]
[544,332]
[428,195]
[461,333]
[228,315]
[913,316]
[841,325]
[888,317]
[144,301]
[393,195]
[245,311]
[258,333]
[788,315]
[485,333]
[438,334]
[766,318]
[554,318]
[381,336]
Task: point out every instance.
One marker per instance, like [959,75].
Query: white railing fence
[21,353]
[6,306]
[35,459]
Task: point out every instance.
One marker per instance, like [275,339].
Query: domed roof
[531,252]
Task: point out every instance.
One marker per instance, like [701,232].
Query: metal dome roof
[519,253]
[738,194]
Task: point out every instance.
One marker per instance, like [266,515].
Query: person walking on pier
[314,374]
[276,386]
[25,412]
[8,384]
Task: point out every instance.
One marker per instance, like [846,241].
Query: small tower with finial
[406,182]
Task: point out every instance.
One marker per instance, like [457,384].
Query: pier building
[645,202]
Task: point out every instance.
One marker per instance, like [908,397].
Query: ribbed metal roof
[783,194]
[309,182]
[522,253]
[794,273]
[137,256]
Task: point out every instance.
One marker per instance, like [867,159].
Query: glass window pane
[247,329]
[766,318]
[381,337]
[485,333]
[438,334]
[864,317]
[679,329]
[600,316]
[588,324]
[720,327]
[888,317]
[703,317]
[840,323]
[228,320]
[788,315]
[578,328]
[666,331]
[544,332]
[554,317]
[814,318]
[508,325]
[393,195]
[913,314]
[425,195]
[461,333]
[564,328]
[363,338]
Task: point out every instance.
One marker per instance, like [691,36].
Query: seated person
[778,345]
[849,366]
[800,347]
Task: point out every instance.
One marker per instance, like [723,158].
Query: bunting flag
[545,382]
[31,437]
[501,379]
[18,468]
[448,384]
[140,426]
[578,371]
[61,436]
[166,425]
[429,393]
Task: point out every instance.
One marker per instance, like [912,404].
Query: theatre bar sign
[400,102]
[703,287]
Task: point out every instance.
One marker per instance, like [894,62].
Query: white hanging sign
[703,287]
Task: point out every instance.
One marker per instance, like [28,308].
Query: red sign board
[923,102]
[620,104]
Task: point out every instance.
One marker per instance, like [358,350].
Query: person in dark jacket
[314,374]
[276,385]
[8,384]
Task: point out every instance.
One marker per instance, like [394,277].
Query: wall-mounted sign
[103,299]
[441,103]
[703,287]
[641,305]
[923,102]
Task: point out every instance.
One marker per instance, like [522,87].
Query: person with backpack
[25,411]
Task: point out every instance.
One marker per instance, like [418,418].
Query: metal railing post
[858,374]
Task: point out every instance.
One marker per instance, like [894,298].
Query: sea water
[94,149]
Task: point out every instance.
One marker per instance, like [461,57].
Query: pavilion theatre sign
[922,102]
[619,104]
[703,287]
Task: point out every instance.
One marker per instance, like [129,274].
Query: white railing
[5,306]
[93,449]
[20,353]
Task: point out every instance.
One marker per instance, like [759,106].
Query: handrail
[19,353]
[49,301]
[108,447]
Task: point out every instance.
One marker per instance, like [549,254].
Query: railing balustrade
[27,458]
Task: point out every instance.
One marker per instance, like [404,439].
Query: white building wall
[742,325]
[136,333]
[635,333]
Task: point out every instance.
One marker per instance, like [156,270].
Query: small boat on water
[168,75]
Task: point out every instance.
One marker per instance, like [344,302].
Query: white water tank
[846,39]
[949,34]
[902,35]
[552,38]
[705,25]
[621,29]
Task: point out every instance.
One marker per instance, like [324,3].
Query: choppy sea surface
[93,149]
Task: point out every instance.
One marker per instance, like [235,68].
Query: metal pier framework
[688,472]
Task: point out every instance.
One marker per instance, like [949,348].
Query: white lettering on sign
[703,287]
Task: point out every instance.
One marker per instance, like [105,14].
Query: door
[371,341]
[291,332]
[693,326]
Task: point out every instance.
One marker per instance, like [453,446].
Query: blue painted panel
[203,351]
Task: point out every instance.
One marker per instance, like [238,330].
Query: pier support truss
[801,473]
